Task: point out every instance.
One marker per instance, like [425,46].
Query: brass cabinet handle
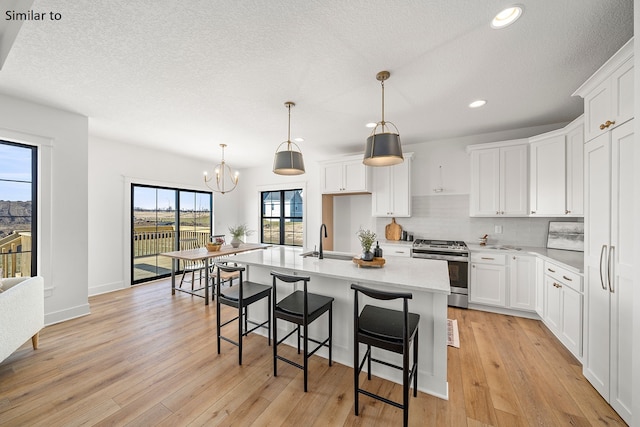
[566,278]
[553,271]
[607,124]
[533,212]
[502,213]
[497,212]
[567,212]
[487,258]
[557,285]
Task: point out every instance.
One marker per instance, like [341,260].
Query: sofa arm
[21,312]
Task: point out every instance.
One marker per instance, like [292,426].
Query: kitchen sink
[328,255]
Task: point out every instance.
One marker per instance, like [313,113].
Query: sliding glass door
[163,220]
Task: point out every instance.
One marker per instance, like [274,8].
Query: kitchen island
[427,280]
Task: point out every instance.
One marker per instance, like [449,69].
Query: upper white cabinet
[348,175]
[556,172]
[391,189]
[608,233]
[499,178]
[608,94]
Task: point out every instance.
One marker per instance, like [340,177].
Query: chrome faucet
[320,254]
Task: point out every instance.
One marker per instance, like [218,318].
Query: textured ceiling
[187,76]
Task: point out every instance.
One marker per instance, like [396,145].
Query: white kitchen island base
[427,280]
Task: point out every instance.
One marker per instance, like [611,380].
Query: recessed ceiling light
[371,125]
[478,103]
[507,17]
[299,139]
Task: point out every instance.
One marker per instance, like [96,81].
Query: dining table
[203,255]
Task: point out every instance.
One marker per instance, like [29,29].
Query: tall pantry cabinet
[609,223]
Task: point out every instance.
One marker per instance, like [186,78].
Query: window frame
[282,217]
[34,201]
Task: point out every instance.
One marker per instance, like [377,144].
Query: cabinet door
[597,220]
[514,184]
[391,195]
[540,287]
[547,189]
[571,310]
[488,284]
[380,189]
[621,262]
[522,281]
[355,176]
[485,182]
[553,307]
[597,110]
[332,178]
[575,172]
[622,93]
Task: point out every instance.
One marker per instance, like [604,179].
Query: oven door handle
[440,257]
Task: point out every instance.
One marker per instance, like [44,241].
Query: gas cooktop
[451,245]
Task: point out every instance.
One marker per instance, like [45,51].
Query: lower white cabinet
[563,305]
[503,280]
[396,249]
[488,279]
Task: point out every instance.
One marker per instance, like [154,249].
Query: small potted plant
[237,232]
[367,237]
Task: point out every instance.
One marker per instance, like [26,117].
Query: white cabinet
[609,263]
[503,280]
[522,282]
[488,279]
[608,94]
[499,179]
[391,189]
[556,172]
[348,175]
[563,306]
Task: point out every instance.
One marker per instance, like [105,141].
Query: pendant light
[226,180]
[289,161]
[383,148]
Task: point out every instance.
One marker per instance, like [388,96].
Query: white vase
[235,242]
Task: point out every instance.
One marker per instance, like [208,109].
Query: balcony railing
[147,243]
[15,254]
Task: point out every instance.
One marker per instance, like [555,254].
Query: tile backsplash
[447,217]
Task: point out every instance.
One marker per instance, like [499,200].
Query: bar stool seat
[387,329]
[300,308]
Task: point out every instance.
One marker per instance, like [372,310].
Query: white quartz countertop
[406,273]
[572,260]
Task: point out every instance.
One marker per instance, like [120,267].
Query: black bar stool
[391,330]
[240,296]
[301,308]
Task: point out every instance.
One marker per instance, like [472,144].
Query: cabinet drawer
[564,276]
[395,250]
[488,258]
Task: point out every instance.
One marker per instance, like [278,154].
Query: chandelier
[225,180]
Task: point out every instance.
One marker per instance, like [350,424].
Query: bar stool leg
[368,362]
[356,371]
[330,332]
[415,365]
[240,310]
[305,342]
[405,384]
[275,346]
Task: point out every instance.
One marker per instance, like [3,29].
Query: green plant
[240,230]
[367,237]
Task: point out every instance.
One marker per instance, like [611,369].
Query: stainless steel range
[456,254]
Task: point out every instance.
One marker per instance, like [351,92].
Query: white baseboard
[66,314]
[106,288]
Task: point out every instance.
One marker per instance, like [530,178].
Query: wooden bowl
[212,247]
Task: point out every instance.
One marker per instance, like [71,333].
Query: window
[165,220]
[18,199]
[282,219]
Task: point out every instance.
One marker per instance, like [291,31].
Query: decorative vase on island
[367,256]
[235,242]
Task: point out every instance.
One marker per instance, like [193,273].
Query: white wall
[62,213]
[113,167]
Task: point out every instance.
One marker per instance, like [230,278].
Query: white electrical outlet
[498,229]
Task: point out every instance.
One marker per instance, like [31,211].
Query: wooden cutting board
[393,231]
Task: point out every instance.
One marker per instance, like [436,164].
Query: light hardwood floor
[145,357]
